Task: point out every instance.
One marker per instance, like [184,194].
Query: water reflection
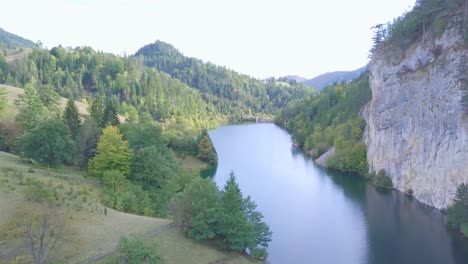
[320,216]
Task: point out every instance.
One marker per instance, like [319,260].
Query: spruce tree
[233,223]
[110,116]
[97,110]
[72,119]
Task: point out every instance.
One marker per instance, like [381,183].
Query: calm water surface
[319,216]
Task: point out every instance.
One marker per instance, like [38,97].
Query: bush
[380,179]
[457,216]
[136,250]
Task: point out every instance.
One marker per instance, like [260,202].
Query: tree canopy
[113,153]
[49,143]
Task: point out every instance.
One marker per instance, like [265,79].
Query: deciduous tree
[49,143]
[113,153]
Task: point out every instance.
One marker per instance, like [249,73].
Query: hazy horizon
[261,38]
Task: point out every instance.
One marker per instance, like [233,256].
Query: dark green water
[319,216]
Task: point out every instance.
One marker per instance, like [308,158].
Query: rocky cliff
[417,128]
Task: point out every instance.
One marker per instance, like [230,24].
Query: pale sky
[261,38]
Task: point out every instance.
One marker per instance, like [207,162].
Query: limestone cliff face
[417,129]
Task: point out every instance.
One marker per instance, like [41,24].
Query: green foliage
[72,118]
[350,156]
[457,216]
[153,166]
[260,234]
[427,18]
[380,179]
[49,98]
[231,93]
[136,250]
[198,208]
[110,116]
[113,153]
[142,135]
[114,185]
[74,73]
[203,212]
[87,141]
[206,150]
[233,222]
[31,108]
[49,143]
[331,119]
[96,109]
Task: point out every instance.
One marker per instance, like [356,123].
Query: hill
[10,40]
[232,93]
[296,78]
[92,231]
[330,78]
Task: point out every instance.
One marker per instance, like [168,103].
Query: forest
[331,119]
[227,90]
[137,122]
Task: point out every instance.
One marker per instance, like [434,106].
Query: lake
[318,216]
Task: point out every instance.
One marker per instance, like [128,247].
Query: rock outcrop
[417,128]
[322,160]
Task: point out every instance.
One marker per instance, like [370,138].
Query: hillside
[13,93]
[330,78]
[83,73]
[92,233]
[228,90]
[9,41]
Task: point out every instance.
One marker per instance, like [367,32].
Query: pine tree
[260,234]
[72,119]
[113,153]
[97,110]
[233,223]
[110,116]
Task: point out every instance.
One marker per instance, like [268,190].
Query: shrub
[135,250]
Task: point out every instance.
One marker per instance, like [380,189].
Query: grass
[91,231]
[174,248]
[17,54]
[192,163]
[13,94]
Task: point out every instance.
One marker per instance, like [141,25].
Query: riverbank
[380,225]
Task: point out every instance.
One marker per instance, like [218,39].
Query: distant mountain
[10,40]
[296,78]
[229,91]
[329,78]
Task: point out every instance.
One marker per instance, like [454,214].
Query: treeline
[331,119]
[230,92]
[428,18]
[133,89]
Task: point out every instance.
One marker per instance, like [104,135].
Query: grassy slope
[90,231]
[13,94]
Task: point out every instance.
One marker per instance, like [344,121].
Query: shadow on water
[401,229]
